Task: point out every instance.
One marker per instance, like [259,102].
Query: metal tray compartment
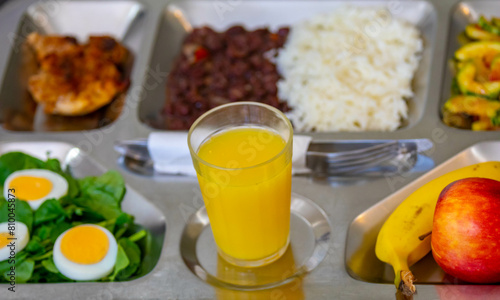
[360,259]
[179,17]
[81,165]
[79,19]
[463,13]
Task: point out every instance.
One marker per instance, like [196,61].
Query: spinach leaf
[138,235]
[43,231]
[21,210]
[122,262]
[49,265]
[102,195]
[98,206]
[128,260]
[110,183]
[57,229]
[124,220]
[72,210]
[42,276]
[10,273]
[134,256]
[35,246]
[123,223]
[6,264]
[15,161]
[73,189]
[146,243]
[54,165]
[24,271]
[48,211]
[49,232]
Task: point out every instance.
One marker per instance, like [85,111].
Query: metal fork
[323,159]
[382,158]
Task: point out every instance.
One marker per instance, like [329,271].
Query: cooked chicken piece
[59,45]
[76,79]
[106,48]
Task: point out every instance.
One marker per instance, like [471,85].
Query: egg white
[59,185]
[21,234]
[82,272]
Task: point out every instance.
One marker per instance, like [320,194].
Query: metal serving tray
[81,165]
[79,19]
[180,17]
[178,197]
[361,262]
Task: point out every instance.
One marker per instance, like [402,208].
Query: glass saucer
[310,232]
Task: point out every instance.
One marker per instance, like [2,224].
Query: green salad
[89,200]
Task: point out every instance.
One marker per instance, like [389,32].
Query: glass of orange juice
[242,153]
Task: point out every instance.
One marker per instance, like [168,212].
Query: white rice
[349,70]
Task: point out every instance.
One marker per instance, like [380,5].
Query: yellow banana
[405,236]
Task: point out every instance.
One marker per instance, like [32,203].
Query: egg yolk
[30,187]
[85,245]
[4,239]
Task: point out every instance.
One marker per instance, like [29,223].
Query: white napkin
[170,153]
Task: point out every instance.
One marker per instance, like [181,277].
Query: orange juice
[246,186]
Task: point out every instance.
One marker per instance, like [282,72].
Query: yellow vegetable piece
[473,32]
[482,124]
[466,79]
[472,105]
[484,49]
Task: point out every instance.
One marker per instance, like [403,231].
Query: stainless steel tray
[81,165]
[178,197]
[79,19]
[179,18]
[363,231]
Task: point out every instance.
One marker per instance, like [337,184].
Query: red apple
[466,230]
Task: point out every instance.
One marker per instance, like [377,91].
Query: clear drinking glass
[242,153]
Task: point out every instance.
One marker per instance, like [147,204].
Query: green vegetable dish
[65,229]
[475,90]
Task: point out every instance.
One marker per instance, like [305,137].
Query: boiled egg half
[85,252]
[35,186]
[16,242]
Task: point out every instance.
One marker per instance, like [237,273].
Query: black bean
[236,69]
[235,30]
